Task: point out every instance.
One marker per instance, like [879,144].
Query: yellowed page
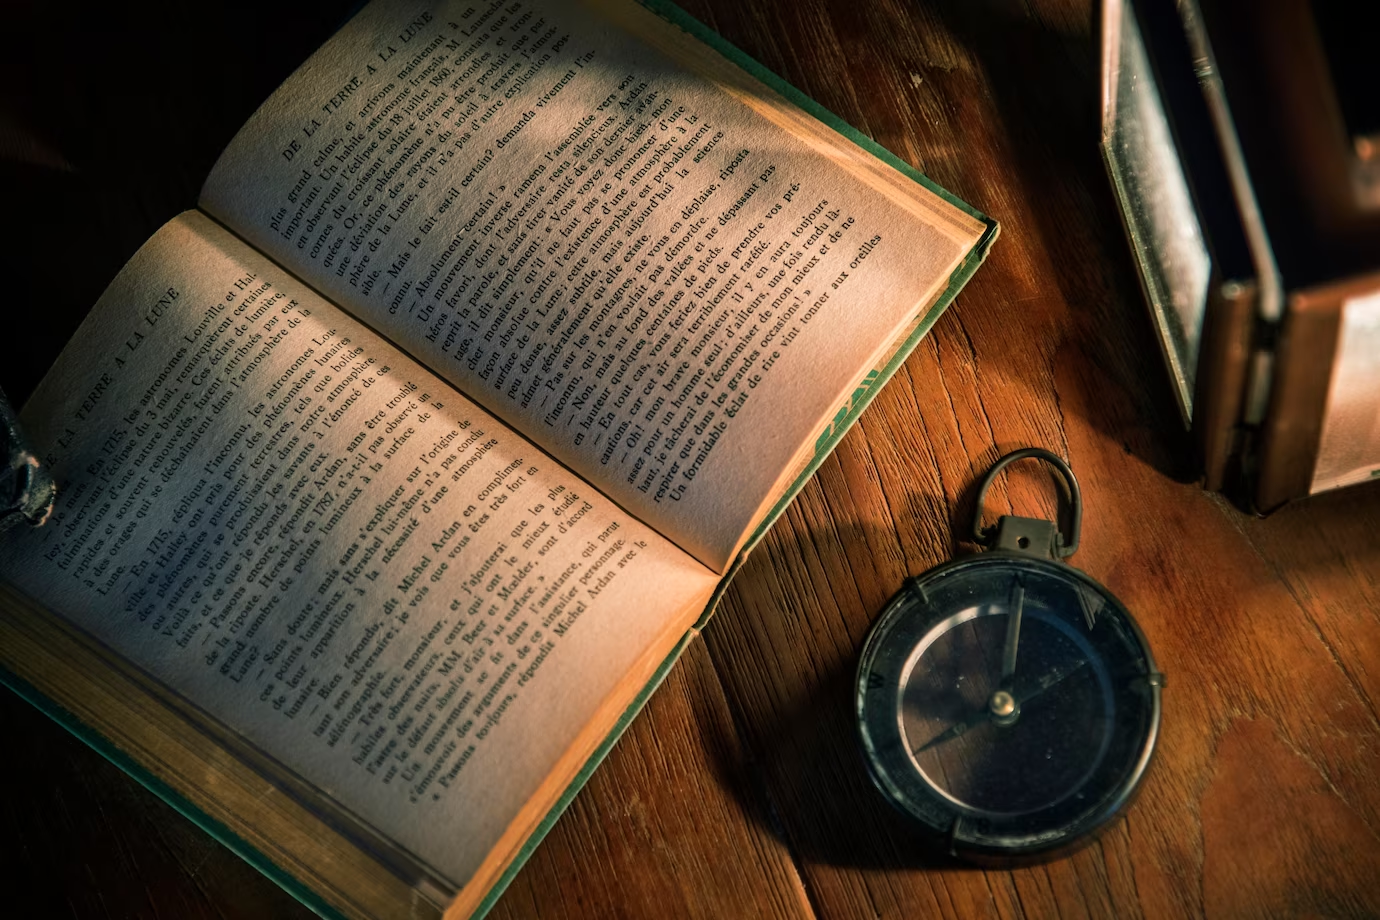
[324,547]
[1349,446]
[625,247]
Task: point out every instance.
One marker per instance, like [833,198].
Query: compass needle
[953,731]
[1049,681]
[1013,635]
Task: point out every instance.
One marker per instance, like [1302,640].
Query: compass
[1006,701]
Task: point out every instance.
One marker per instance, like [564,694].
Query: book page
[1349,445]
[319,544]
[635,254]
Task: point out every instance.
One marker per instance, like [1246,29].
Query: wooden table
[740,792]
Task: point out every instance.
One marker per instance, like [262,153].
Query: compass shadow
[812,789]
[820,800]
[807,778]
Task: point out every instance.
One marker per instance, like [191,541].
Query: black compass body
[1007,701]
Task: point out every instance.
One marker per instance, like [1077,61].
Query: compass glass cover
[1044,752]
[1009,702]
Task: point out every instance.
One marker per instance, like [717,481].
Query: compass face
[1045,754]
[1009,703]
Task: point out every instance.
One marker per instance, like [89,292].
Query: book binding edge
[602,751]
[861,398]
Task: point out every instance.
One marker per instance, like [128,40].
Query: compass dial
[1009,703]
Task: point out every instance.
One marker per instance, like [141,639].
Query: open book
[393,479]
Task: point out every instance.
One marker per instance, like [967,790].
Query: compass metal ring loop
[1068,544]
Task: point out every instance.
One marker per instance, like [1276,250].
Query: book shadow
[1044,76]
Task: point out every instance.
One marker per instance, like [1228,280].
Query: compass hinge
[1031,536]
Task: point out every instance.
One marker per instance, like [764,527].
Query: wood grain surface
[740,792]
